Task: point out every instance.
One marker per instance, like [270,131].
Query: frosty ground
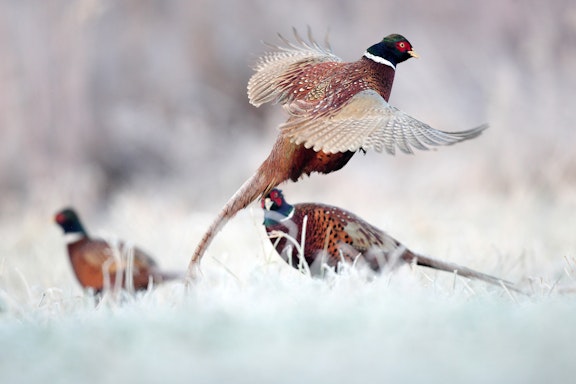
[251,318]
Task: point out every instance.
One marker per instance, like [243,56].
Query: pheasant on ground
[333,237]
[335,109]
[99,264]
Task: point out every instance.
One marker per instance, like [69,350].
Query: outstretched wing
[277,70]
[366,122]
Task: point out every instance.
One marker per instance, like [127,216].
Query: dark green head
[393,49]
[69,221]
[276,209]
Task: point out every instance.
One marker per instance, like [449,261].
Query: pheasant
[98,264]
[335,109]
[333,236]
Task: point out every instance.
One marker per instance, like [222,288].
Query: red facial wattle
[60,218]
[403,46]
[276,198]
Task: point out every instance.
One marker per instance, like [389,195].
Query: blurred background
[135,112]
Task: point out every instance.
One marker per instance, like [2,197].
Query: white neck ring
[72,237]
[289,217]
[379,60]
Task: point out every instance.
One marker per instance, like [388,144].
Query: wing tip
[474,132]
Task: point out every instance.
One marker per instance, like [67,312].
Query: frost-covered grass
[252,319]
[282,327]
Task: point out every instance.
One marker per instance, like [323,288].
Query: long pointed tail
[460,270]
[255,186]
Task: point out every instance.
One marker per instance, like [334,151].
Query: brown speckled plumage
[335,109]
[99,264]
[335,236]
[93,262]
[331,233]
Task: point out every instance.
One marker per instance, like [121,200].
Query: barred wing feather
[275,69]
[366,122]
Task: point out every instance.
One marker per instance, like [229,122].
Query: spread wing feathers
[275,70]
[366,122]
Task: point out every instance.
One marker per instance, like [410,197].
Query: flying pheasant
[96,262]
[334,236]
[335,109]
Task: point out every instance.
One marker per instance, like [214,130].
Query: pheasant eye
[403,46]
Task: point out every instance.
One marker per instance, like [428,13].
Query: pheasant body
[335,109]
[329,236]
[94,262]
[332,235]
[302,161]
[98,264]
[322,86]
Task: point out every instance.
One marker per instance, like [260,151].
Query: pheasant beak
[268,203]
[414,54]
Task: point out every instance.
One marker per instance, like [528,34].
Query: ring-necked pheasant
[98,264]
[335,109]
[334,236]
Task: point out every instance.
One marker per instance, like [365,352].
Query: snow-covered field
[252,319]
[275,327]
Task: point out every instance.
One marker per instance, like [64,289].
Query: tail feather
[255,186]
[458,269]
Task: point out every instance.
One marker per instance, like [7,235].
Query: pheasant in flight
[335,109]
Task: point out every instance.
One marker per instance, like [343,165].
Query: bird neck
[275,217]
[73,237]
[74,230]
[379,60]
